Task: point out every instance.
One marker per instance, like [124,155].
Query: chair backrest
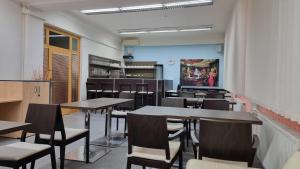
[107,86]
[43,118]
[216,95]
[142,87]
[91,86]
[125,87]
[226,140]
[148,131]
[293,162]
[127,105]
[187,94]
[173,102]
[215,104]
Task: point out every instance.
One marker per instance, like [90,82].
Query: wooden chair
[91,90]
[65,136]
[148,143]
[108,90]
[227,142]
[142,91]
[215,104]
[122,110]
[175,125]
[42,118]
[215,95]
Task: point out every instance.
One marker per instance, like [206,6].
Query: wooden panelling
[25,92]
[75,77]
[11,90]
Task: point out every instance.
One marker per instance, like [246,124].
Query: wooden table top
[187,113]
[9,127]
[95,104]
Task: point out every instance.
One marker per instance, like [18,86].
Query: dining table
[87,107]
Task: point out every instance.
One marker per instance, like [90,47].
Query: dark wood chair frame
[110,87]
[216,95]
[91,86]
[43,122]
[218,139]
[150,132]
[145,88]
[64,142]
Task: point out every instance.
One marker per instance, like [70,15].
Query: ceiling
[217,15]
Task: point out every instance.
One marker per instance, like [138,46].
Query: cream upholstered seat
[293,162]
[109,91]
[20,150]
[70,133]
[144,92]
[155,154]
[127,91]
[199,164]
[119,113]
[237,163]
[175,126]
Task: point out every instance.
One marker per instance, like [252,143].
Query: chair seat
[144,92]
[119,113]
[196,164]
[174,120]
[70,133]
[20,150]
[127,91]
[109,91]
[175,126]
[156,154]
[237,163]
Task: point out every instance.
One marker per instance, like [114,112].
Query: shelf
[7,100]
[139,67]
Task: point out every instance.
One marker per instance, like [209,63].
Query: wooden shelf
[7,100]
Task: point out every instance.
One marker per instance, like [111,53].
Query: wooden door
[62,65]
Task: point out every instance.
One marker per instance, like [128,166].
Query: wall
[10,40]
[162,54]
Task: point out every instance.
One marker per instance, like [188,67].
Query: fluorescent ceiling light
[186,3]
[142,7]
[133,32]
[105,10]
[164,31]
[195,29]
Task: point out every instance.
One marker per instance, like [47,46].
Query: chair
[175,125]
[218,142]
[187,94]
[108,90]
[292,163]
[91,90]
[142,91]
[215,95]
[148,143]
[65,136]
[122,110]
[215,104]
[21,153]
[126,88]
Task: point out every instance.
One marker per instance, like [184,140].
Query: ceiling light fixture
[167,30]
[142,7]
[171,5]
[102,11]
[164,31]
[196,29]
[189,3]
[133,32]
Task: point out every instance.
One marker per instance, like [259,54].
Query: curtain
[270,56]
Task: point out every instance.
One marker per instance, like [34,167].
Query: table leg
[96,152]
[110,140]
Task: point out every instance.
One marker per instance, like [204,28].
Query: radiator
[277,143]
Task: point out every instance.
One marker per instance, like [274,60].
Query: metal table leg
[110,140]
[96,152]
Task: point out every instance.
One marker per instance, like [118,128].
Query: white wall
[10,40]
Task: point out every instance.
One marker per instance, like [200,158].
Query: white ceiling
[217,15]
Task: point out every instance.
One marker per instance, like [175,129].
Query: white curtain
[270,62]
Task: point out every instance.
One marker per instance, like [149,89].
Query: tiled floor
[116,159]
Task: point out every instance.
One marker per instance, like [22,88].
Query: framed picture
[199,72]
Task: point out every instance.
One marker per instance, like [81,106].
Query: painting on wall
[199,72]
